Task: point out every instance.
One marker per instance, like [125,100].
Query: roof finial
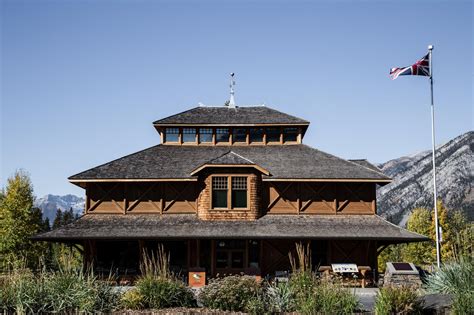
[232,83]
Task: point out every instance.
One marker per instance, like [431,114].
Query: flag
[421,67]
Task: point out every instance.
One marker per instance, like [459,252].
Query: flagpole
[435,193]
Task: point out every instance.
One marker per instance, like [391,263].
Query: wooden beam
[140,198]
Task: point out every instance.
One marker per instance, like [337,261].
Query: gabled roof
[156,226]
[223,115]
[230,159]
[282,162]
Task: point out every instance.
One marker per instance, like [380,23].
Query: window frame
[230,205]
[229,137]
[185,133]
[278,141]
[297,132]
[199,135]
[166,135]
[246,135]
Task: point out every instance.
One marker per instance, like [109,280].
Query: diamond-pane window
[189,135]
[222,135]
[239,192]
[205,135]
[172,134]
[219,192]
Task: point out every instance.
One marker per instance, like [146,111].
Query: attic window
[222,135]
[189,135]
[290,134]
[256,135]
[205,135]
[273,134]
[172,134]
[239,135]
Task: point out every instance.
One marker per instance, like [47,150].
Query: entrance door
[231,256]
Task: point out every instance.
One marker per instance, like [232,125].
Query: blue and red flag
[421,67]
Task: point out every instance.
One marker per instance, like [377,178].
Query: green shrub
[456,279]
[160,293]
[314,295]
[280,297]
[397,300]
[132,300]
[231,293]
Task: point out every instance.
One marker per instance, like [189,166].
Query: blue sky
[82,81]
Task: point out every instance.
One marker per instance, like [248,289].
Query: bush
[397,300]
[232,293]
[65,291]
[162,293]
[280,297]
[20,292]
[456,279]
[132,300]
[158,287]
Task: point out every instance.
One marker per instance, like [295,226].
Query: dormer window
[189,135]
[273,134]
[290,134]
[234,198]
[256,135]
[239,135]
[222,135]
[172,134]
[205,135]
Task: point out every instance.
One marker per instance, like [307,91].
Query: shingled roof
[282,162]
[223,115]
[155,226]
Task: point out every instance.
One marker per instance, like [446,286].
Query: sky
[82,81]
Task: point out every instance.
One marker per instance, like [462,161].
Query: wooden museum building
[230,190]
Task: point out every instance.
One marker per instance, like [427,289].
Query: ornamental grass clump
[65,291]
[457,279]
[238,293]
[398,300]
[313,295]
[158,287]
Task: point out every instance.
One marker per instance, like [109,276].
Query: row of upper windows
[239,135]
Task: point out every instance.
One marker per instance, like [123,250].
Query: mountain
[49,204]
[412,184]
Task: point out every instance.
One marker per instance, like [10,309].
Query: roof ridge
[180,113]
[353,163]
[276,110]
[240,156]
[380,172]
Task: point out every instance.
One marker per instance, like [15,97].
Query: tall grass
[455,278]
[65,291]
[157,287]
[312,294]
[397,300]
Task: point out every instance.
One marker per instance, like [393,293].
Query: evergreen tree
[68,217]
[58,219]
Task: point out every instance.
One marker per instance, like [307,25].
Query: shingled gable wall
[254,188]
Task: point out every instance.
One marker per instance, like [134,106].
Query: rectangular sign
[341,268]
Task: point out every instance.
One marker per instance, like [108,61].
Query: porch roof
[183,226]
